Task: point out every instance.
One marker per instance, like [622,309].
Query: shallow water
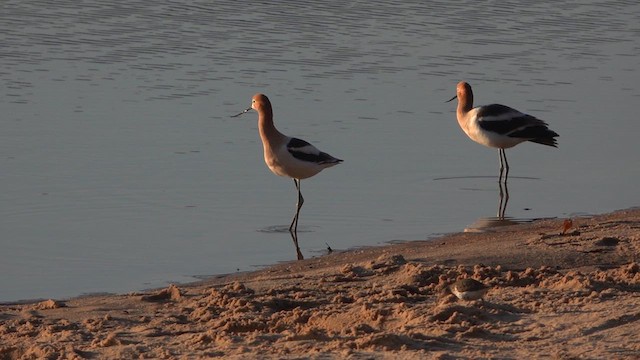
[122,170]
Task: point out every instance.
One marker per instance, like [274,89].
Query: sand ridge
[553,295]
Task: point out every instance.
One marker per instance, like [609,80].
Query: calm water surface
[120,168]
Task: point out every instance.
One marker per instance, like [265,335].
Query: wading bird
[288,156]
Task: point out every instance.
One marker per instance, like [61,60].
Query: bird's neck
[268,132]
[464,106]
[466,103]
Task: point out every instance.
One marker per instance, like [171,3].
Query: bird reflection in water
[487,223]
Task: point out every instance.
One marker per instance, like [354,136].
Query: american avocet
[499,126]
[288,156]
[468,289]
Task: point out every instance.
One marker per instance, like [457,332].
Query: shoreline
[552,294]
[207,279]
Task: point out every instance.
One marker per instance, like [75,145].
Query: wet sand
[552,295]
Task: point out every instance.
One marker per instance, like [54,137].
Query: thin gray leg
[504,166]
[293,228]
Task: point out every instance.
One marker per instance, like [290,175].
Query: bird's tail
[546,141]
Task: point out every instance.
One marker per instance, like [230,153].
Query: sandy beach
[556,291]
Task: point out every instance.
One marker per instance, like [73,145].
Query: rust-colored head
[464,90]
[464,94]
[260,102]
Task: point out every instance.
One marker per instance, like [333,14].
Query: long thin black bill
[244,111]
